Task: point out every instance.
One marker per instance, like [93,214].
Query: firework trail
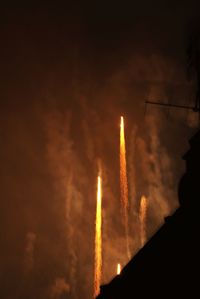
[143,217]
[124,183]
[98,240]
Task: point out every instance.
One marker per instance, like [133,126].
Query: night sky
[68,72]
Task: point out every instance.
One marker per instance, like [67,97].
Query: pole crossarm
[193,108]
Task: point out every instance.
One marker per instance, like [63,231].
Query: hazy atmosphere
[67,75]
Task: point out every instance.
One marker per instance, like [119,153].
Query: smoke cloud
[59,288]
[29,251]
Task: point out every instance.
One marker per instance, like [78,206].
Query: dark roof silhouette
[168,265]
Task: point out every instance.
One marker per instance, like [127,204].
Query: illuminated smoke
[160,181]
[29,251]
[143,219]
[98,240]
[70,235]
[59,288]
[118,269]
[124,183]
[60,157]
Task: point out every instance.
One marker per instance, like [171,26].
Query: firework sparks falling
[143,216]
[118,269]
[124,182]
[98,240]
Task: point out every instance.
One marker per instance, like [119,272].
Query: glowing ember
[124,182]
[118,269]
[143,216]
[98,241]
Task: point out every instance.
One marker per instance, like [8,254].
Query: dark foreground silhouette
[168,265]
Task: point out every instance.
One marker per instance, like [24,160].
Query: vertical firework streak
[124,183]
[143,217]
[98,240]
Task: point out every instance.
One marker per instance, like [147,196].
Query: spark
[98,240]
[143,216]
[118,269]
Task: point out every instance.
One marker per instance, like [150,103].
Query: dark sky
[67,74]
[99,35]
